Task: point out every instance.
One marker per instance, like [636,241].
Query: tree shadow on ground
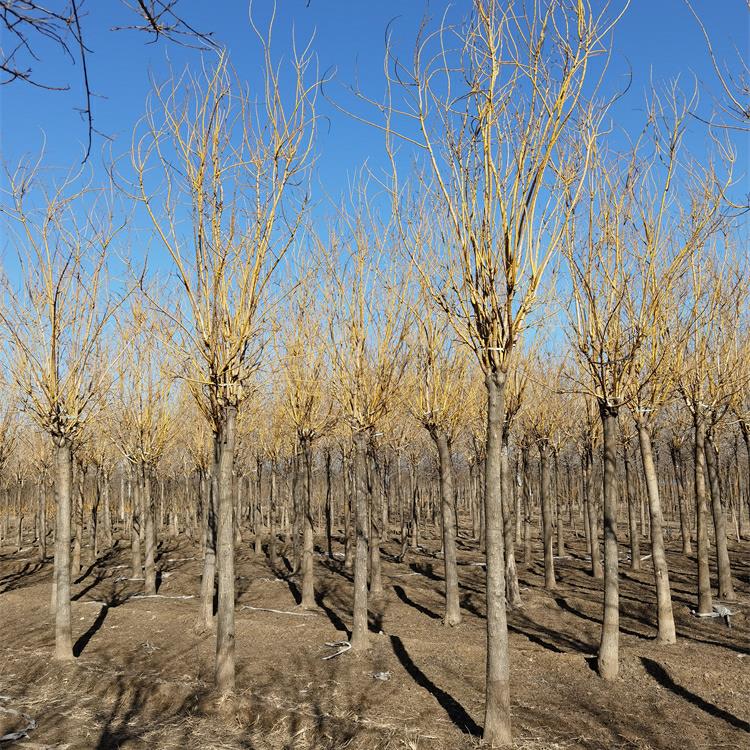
[452,707]
[332,615]
[24,577]
[665,680]
[406,599]
[116,599]
[551,640]
[425,569]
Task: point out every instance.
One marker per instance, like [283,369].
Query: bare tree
[145,420]
[439,402]
[55,322]
[490,105]
[368,327]
[240,161]
[309,408]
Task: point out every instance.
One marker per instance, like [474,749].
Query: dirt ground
[143,674]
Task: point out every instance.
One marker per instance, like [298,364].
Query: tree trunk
[19,514]
[447,496]
[149,573]
[609,645]
[513,590]
[258,518]
[376,577]
[359,638]
[308,542]
[633,535]
[272,516]
[745,430]
[558,507]
[544,491]
[665,618]
[107,510]
[208,579]
[705,605]
[591,513]
[414,521]
[475,512]
[348,495]
[63,486]
[527,519]
[75,567]
[497,719]
[237,515]
[42,526]
[726,590]
[584,501]
[135,528]
[676,453]
[224,673]
[329,513]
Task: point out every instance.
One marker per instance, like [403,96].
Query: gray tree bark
[224,672]
[308,538]
[447,495]
[208,579]
[705,605]
[512,589]
[497,718]
[633,535]
[359,638]
[63,486]
[544,491]
[676,453]
[726,589]
[664,615]
[608,660]
[149,570]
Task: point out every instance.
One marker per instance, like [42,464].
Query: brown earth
[143,674]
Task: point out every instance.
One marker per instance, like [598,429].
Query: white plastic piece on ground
[162,596]
[342,646]
[279,611]
[719,611]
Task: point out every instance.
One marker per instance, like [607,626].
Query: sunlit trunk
[726,590]
[308,541]
[208,579]
[447,496]
[527,517]
[665,617]
[513,590]
[359,638]
[608,660]
[687,548]
[149,572]
[633,535]
[224,673]
[544,491]
[497,719]
[63,486]
[705,605]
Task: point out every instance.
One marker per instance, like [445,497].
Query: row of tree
[515,206]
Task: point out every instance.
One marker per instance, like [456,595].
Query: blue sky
[656,40]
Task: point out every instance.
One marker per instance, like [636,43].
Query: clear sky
[657,39]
